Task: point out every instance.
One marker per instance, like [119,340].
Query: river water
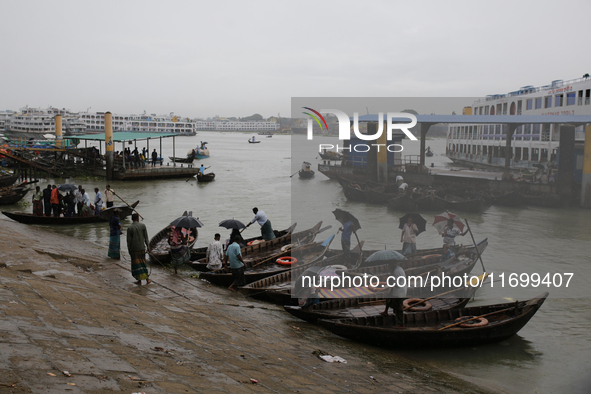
[552,353]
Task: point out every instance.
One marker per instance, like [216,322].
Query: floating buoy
[478,322]
[417,308]
[286,260]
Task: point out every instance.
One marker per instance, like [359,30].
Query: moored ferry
[144,123]
[533,145]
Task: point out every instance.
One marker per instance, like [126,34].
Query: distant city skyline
[230,58]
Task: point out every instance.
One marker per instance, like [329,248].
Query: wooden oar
[128,204]
[475,246]
[294,173]
[476,317]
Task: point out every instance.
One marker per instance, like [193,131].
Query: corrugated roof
[121,136]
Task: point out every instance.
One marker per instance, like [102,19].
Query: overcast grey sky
[235,58]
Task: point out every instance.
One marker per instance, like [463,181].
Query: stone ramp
[79,312]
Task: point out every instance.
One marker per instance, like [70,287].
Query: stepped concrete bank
[65,307]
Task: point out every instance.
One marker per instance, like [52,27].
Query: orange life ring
[426,305]
[286,260]
[249,243]
[481,322]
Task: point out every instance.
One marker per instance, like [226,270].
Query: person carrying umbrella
[266,228]
[409,237]
[450,231]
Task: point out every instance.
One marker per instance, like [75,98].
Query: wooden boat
[429,153]
[404,203]
[205,177]
[354,191]
[200,253]
[348,308]
[510,198]
[7,179]
[124,211]
[331,155]
[253,141]
[188,159]
[160,249]
[306,174]
[434,328]
[278,288]
[29,218]
[260,259]
[12,195]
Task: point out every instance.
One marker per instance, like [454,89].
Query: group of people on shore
[50,202]
[179,239]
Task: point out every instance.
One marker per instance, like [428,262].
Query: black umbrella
[344,217]
[67,187]
[232,223]
[416,219]
[187,221]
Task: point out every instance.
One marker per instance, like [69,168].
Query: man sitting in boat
[266,228]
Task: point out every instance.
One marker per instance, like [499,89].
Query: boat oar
[476,246]
[128,204]
[476,317]
[294,173]
[194,175]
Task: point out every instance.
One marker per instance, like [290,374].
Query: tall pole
[109,144]
[58,131]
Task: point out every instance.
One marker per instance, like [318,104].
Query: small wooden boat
[490,323]
[124,211]
[253,141]
[261,262]
[348,308]
[7,179]
[269,136]
[160,249]
[331,155]
[29,218]
[306,171]
[278,288]
[205,177]
[12,195]
[188,159]
[200,253]
[429,153]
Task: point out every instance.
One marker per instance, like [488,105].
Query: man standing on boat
[47,200]
[109,196]
[266,228]
[98,201]
[38,202]
[396,294]
[79,200]
[450,231]
[154,157]
[137,243]
[234,256]
[55,201]
[215,254]
[409,237]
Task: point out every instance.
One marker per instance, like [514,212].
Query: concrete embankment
[65,307]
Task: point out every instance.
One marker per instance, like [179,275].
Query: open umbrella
[186,221]
[67,187]
[232,223]
[441,221]
[344,217]
[416,219]
[385,255]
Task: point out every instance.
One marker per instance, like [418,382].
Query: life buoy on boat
[417,308]
[254,242]
[286,260]
[479,322]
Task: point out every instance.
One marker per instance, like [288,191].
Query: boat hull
[28,218]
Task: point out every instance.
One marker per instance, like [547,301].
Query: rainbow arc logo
[316,118]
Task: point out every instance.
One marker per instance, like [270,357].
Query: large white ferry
[532,144]
[39,121]
[95,122]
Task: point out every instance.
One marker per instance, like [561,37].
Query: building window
[548,102]
[571,98]
[558,100]
[529,104]
[538,103]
